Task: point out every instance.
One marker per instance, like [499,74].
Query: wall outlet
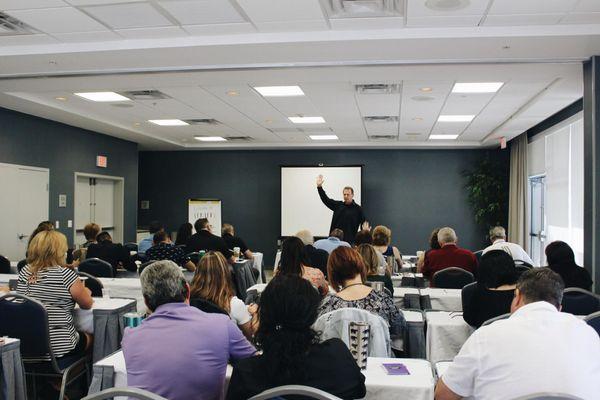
[69,223]
[57,225]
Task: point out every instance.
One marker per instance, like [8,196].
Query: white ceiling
[198,51]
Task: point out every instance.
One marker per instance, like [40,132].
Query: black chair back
[580,302]
[467,293]
[4,265]
[452,278]
[130,246]
[593,320]
[144,265]
[499,317]
[96,267]
[21,264]
[28,323]
[478,255]
[207,306]
[521,269]
[92,283]
[524,264]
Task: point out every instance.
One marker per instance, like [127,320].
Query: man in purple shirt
[179,352]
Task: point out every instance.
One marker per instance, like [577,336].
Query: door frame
[530,179]
[119,203]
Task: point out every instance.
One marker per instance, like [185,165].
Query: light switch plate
[62,200]
[57,225]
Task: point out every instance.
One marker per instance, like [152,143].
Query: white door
[22,208]
[537,234]
[104,205]
[83,207]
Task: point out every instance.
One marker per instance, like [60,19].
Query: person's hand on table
[320,180]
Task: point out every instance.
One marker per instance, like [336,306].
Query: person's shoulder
[333,346]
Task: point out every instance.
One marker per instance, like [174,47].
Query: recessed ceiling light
[307,120]
[443,137]
[136,124]
[61,98]
[455,118]
[168,122]
[268,121]
[232,93]
[477,87]
[426,89]
[279,91]
[102,96]
[210,138]
[323,137]
[418,119]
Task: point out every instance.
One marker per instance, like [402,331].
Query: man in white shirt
[498,239]
[537,349]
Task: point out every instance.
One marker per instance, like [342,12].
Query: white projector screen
[301,207]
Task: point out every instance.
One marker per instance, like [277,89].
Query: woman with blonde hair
[46,279]
[371,260]
[212,282]
[382,237]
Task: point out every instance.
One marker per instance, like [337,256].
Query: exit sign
[101,161]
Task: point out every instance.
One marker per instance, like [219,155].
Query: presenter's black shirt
[345,217]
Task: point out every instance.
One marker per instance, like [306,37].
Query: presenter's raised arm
[329,203]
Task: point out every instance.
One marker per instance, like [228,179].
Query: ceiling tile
[373,105]
[58,20]
[466,20]
[130,15]
[506,7]
[588,6]
[220,29]
[382,128]
[282,10]
[82,37]
[199,12]
[522,19]
[152,33]
[26,4]
[582,18]
[419,9]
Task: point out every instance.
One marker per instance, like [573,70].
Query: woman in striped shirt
[58,288]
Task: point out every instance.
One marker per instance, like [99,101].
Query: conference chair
[580,302]
[92,283]
[452,278]
[523,264]
[593,320]
[29,324]
[291,390]
[130,392]
[466,294]
[478,255]
[548,396]
[207,306]
[4,265]
[144,265]
[131,246]
[96,267]
[243,279]
[21,264]
[492,320]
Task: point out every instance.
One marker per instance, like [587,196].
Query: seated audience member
[228,234]
[179,352]
[292,354]
[371,260]
[498,239]
[332,242]
[495,288]
[42,227]
[382,237]
[347,276]
[317,258]
[164,249]
[183,234]
[90,231]
[212,282]
[146,243]
[561,260]
[294,262]
[203,239]
[537,349]
[113,253]
[46,279]
[364,237]
[433,245]
[449,255]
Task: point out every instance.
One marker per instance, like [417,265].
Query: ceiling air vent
[363,8]
[145,95]
[381,138]
[11,26]
[378,88]
[239,138]
[202,121]
[381,118]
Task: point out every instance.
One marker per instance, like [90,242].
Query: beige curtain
[518,222]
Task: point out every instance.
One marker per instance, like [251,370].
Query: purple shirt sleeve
[239,346]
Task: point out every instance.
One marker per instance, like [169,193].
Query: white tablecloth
[399,293]
[446,333]
[4,278]
[84,319]
[418,385]
[125,287]
[444,299]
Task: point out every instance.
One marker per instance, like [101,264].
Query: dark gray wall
[410,191]
[64,149]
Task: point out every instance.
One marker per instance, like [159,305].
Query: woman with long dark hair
[183,234]
[561,260]
[292,354]
[294,261]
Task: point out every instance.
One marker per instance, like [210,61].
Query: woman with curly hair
[291,352]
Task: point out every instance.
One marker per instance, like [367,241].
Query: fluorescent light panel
[443,137]
[455,118]
[323,137]
[477,87]
[210,138]
[102,96]
[168,122]
[307,120]
[279,91]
